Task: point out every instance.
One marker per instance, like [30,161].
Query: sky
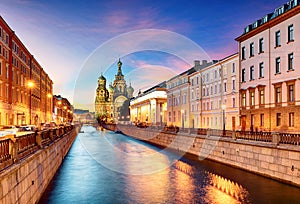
[76,41]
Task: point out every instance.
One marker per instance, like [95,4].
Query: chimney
[197,63]
[204,62]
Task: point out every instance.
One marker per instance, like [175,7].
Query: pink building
[269,56]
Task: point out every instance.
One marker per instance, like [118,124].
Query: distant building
[215,96]
[150,107]
[83,116]
[112,104]
[269,71]
[25,88]
[63,110]
[179,96]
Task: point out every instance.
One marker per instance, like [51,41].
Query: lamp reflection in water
[223,190]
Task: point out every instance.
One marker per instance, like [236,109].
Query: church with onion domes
[112,104]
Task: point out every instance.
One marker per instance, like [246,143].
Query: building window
[261,96]
[291,120]
[278,94]
[216,89]
[261,45]
[291,33]
[233,102]
[291,61]
[291,93]
[244,99]
[252,73]
[170,117]
[252,98]
[243,75]
[225,87]
[278,119]
[174,115]
[262,120]
[277,39]
[243,53]
[7,72]
[233,67]
[261,70]
[277,65]
[251,49]
[0,68]
[233,84]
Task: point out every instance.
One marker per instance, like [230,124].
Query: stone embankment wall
[26,180]
[277,161]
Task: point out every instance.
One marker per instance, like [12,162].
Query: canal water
[104,167]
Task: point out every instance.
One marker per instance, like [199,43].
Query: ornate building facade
[26,89]
[269,71]
[112,104]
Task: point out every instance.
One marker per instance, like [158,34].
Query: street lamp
[30,85]
[223,110]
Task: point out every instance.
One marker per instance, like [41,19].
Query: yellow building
[219,94]
[150,106]
[180,97]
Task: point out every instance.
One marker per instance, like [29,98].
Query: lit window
[291,95]
[278,94]
[252,99]
[261,96]
[244,99]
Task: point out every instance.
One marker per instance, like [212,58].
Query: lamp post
[30,85]
[223,111]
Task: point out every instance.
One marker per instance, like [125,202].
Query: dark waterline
[104,167]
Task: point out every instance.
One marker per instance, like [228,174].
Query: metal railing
[269,137]
[14,148]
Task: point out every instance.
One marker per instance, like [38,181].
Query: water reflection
[223,190]
[83,180]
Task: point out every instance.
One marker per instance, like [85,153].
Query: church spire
[120,68]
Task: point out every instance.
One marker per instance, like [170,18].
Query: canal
[104,167]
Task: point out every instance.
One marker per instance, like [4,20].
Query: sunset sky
[68,37]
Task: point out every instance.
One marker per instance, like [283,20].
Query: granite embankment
[271,155]
[30,162]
